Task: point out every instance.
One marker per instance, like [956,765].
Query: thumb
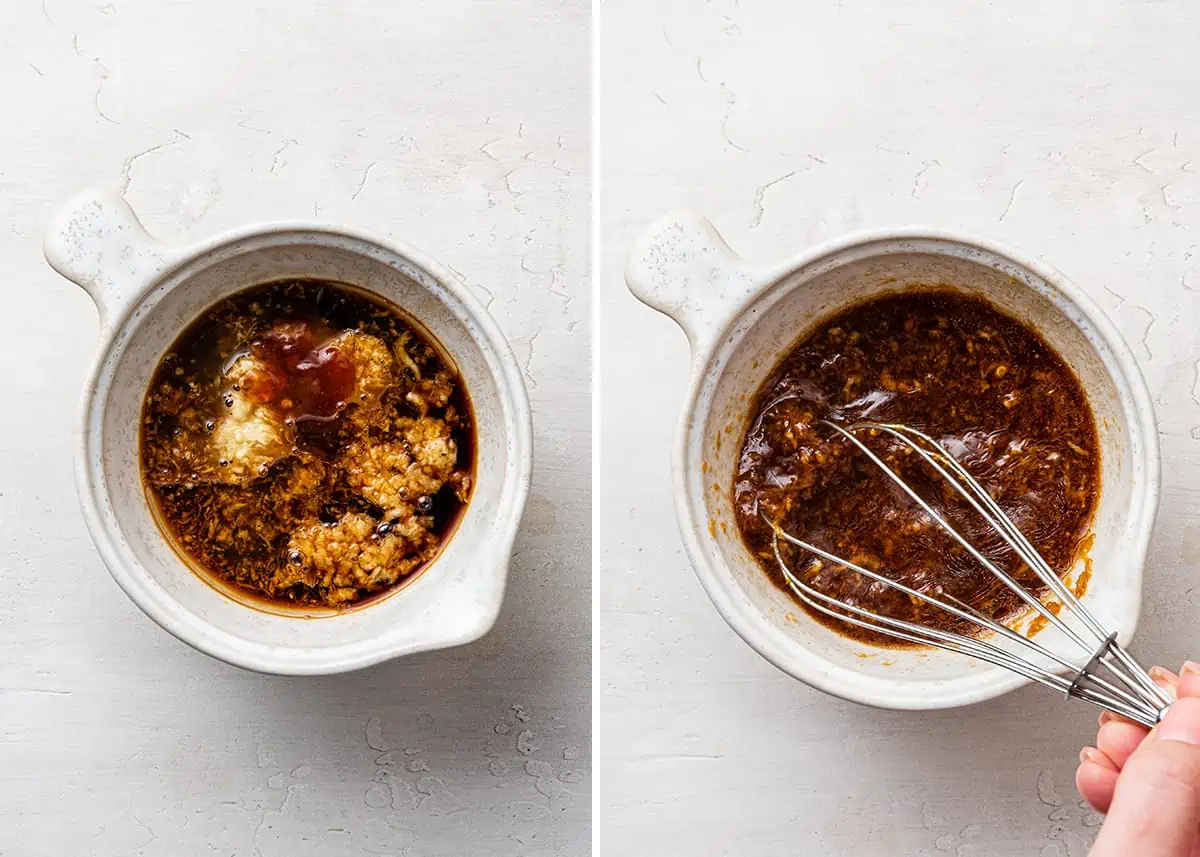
[1156,808]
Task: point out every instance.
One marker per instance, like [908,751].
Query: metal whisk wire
[1108,677]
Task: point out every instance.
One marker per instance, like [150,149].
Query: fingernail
[1105,717]
[1182,722]
[1190,668]
[1088,754]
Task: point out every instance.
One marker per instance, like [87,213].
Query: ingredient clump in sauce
[986,387]
[306,444]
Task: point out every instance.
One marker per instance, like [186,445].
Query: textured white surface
[1066,129]
[459,127]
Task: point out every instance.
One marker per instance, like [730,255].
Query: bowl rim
[193,629]
[713,571]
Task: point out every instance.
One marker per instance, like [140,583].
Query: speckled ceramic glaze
[742,318]
[147,294]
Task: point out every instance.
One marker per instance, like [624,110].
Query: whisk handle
[1088,669]
[1125,687]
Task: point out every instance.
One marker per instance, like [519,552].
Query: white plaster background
[460,127]
[1070,129]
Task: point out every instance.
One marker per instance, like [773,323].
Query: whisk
[1102,672]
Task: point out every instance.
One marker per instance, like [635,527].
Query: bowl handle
[97,242]
[682,267]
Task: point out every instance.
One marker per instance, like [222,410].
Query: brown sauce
[984,385]
[306,444]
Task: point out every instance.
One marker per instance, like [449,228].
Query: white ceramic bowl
[146,295]
[742,318]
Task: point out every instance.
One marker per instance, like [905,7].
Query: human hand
[1148,782]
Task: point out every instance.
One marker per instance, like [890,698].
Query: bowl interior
[767,331]
[454,600]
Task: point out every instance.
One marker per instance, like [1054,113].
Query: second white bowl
[742,318]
